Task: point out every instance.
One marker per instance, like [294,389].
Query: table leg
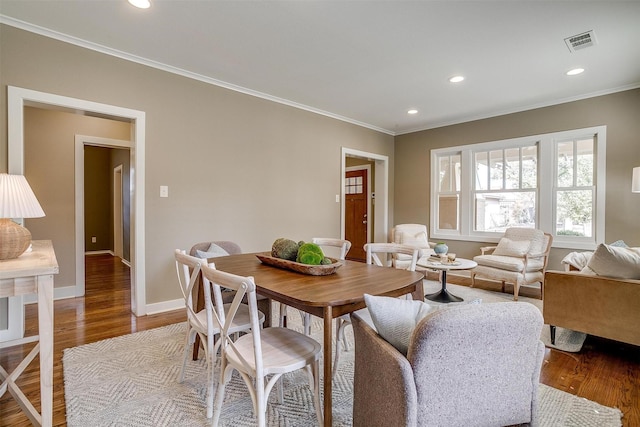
[443,295]
[418,294]
[328,332]
[45,330]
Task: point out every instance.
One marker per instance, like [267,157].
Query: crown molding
[178,71]
[520,109]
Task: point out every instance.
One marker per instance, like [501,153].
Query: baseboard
[125,262]
[102,252]
[63,292]
[161,307]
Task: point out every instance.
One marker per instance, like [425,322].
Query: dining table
[325,296]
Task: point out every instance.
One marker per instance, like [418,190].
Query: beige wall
[620,112]
[238,167]
[97,201]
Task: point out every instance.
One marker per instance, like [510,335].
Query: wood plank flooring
[604,371]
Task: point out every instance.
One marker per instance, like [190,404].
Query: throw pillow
[395,318]
[616,262]
[515,248]
[214,251]
[619,243]
[418,240]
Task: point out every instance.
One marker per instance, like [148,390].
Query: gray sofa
[467,365]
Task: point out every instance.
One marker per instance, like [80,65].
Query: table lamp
[16,201]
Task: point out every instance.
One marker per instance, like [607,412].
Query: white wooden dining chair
[343,247]
[262,356]
[382,255]
[202,323]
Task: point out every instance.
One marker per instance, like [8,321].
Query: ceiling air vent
[580,41]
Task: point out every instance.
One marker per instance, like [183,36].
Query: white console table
[32,273]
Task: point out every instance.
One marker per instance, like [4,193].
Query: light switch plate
[164,191]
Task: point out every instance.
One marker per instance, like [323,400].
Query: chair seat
[508,263]
[283,350]
[240,321]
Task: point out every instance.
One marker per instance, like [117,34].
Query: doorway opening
[377,204]
[18,98]
[103,220]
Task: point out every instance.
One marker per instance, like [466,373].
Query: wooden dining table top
[343,290]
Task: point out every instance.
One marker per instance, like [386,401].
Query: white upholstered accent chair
[412,235]
[342,248]
[455,373]
[261,356]
[201,323]
[382,255]
[520,257]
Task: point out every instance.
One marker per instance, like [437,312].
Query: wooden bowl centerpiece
[313,270]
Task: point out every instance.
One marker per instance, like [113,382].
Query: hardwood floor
[604,371]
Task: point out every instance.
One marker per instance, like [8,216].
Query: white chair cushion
[213,251]
[514,248]
[508,263]
[616,262]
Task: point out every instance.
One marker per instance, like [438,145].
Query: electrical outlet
[94,239]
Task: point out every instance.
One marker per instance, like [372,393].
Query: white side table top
[458,264]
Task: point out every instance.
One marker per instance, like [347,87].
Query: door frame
[118,214]
[80,142]
[381,206]
[18,98]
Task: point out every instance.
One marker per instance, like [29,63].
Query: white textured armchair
[520,258]
[456,372]
[411,235]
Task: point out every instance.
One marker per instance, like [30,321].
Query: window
[504,188]
[448,192]
[554,182]
[574,188]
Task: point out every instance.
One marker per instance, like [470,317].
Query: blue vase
[441,248]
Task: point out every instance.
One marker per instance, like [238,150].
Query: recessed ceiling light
[456,79]
[412,111]
[575,71]
[142,4]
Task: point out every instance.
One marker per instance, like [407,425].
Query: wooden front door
[356,212]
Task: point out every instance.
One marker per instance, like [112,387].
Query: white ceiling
[366,62]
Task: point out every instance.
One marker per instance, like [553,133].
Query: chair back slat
[188,272]
[341,244]
[381,254]
[243,287]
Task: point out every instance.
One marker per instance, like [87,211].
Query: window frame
[545,191]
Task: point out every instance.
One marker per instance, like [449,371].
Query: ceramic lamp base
[14,239]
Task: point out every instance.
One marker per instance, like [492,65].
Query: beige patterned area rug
[566,339]
[132,381]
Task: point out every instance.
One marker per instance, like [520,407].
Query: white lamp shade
[635,180]
[17,199]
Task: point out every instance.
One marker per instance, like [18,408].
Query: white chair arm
[487,249]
